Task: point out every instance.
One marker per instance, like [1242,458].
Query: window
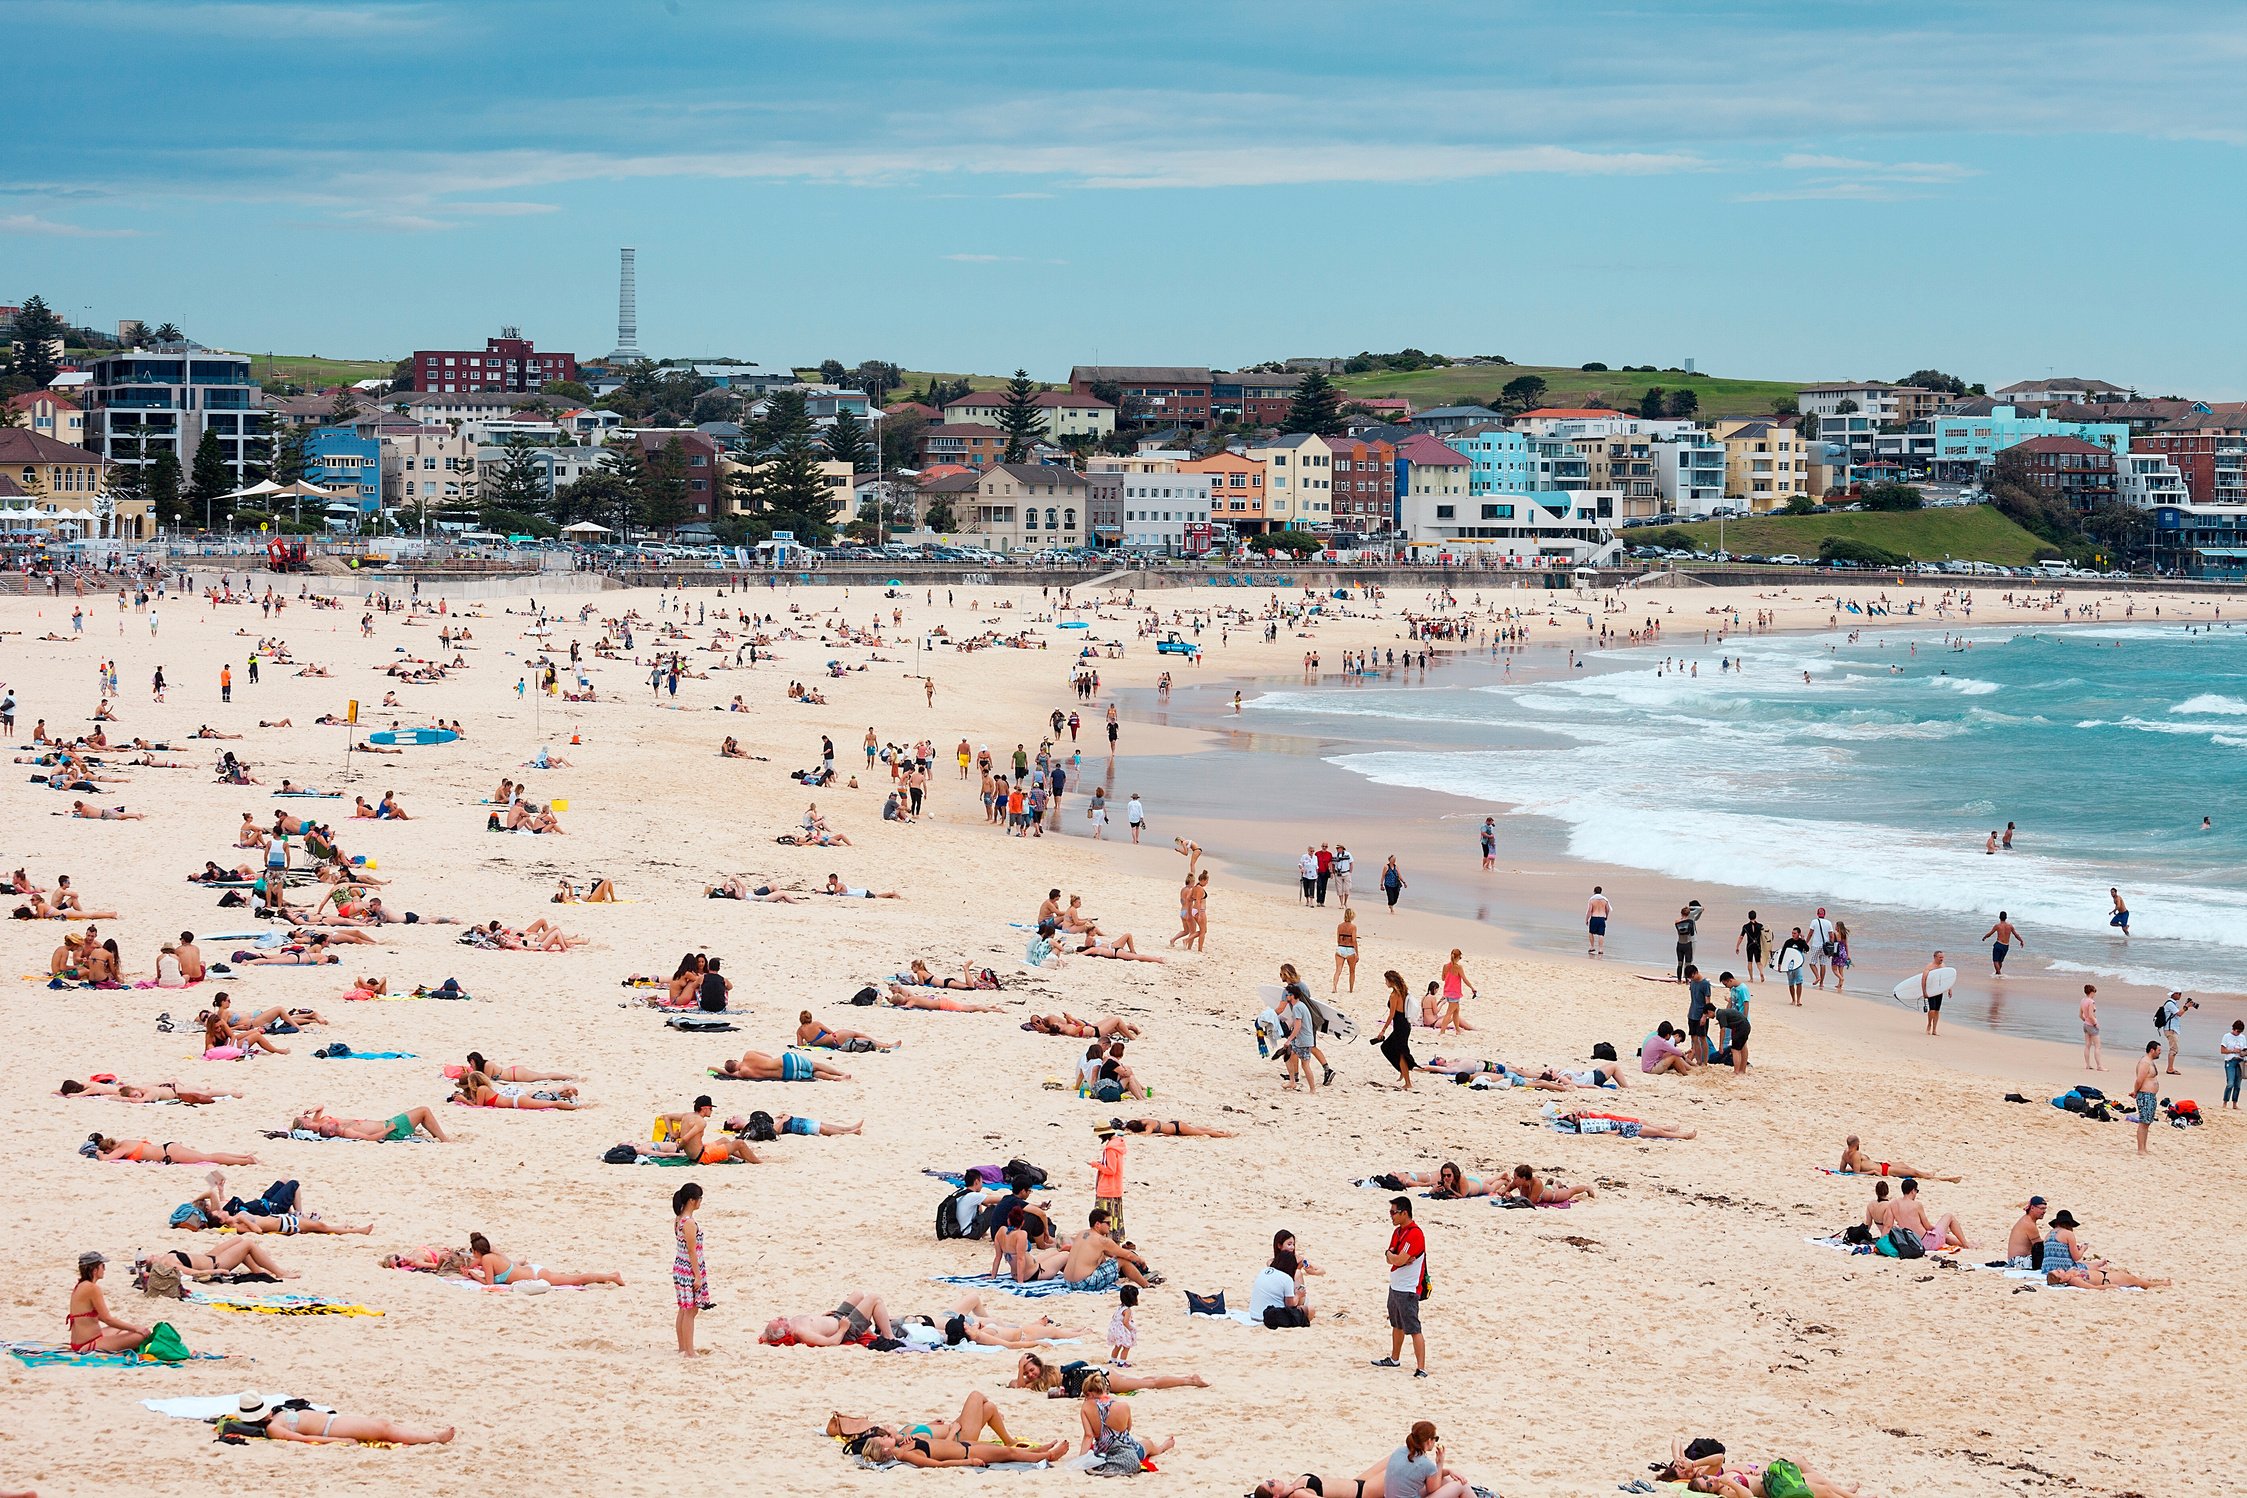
[1029,519]
[1069,518]
[1445,512]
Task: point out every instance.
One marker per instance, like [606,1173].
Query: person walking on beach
[1135,815]
[1489,844]
[690,1272]
[1753,943]
[1455,987]
[1407,1258]
[2172,1009]
[1307,872]
[1344,864]
[1596,911]
[1392,882]
[1326,870]
[2003,937]
[1686,928]
[2144,1087]
[1345,951]
[2120,920]
[1395,1036]
[2089,1012]
[1111,730]
[1820,937]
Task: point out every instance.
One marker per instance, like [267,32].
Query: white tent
[584,528]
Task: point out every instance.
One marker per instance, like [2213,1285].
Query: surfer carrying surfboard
[1933,982]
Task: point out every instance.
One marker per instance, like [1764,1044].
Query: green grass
[1478,384]
[314,372]
[1976,533]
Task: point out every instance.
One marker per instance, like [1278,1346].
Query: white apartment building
[1509,529]
[428,468]
[1166,512]
[2148,481]
[558,467]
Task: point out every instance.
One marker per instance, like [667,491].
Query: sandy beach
[1565,1351]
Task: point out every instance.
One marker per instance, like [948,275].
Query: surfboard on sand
[1939,982]
[412,736]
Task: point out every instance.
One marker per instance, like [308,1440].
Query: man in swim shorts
[1595,923]
[1097,1261]
[2003,937]
[788,1066]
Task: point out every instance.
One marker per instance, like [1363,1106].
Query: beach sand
[1566,1349]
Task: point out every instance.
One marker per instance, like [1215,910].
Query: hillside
[1976,533]
[1478,383]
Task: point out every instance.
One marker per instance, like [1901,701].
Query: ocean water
[1868,773]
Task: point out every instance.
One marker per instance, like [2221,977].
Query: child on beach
[1123,1330]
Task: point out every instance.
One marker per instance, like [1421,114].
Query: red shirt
[1326,862]
[1413,1244]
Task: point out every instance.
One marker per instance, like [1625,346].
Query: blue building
[340,458]
[1501,462]
[1967,445]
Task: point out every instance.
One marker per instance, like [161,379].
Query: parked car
[1787,559]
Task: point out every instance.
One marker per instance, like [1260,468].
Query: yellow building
[65,480]
[1766,463]
[49,415]
[1061,413]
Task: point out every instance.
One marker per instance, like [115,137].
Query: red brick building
[2210,451]
[506,364]
[971,444]
[2079,474]
[1151,395]
[1365,485]
[702,467]
[1254,398]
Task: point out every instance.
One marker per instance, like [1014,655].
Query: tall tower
[627,308]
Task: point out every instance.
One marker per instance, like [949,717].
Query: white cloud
[33,224]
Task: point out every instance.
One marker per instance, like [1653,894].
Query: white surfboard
[1939,982]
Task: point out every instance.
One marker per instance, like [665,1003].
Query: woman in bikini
[685,983]
[1447,1180]
[979,1413]
[1346,952]
[1525,1184]
[1066,1380]
[143,1151]
[1107,1427]
[476,1062]
[938,1451]
[259,1417]
[491,1268]
[430,1258]
[1173,1129]
[479,1091]
[1121,949]
[903,998]
[160,1092]
[91,1326]
[810,1032]
[238,1257]
[1065,1023]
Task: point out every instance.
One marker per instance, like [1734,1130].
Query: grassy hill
[1976,533]
[315,373]
[1458,384]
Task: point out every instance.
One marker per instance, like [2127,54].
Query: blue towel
[1029,1290]
[324,1054]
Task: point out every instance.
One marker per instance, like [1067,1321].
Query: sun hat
[252,1402]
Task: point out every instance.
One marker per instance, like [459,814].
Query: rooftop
[1142,374]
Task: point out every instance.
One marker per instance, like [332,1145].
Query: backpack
[161,1279]
[1783,1479]
[165,1345]
[866,996]
[1899,1243]
[619,1154]
[2164,1017]
[1603,1052]
[1019,1169]
[948,1215]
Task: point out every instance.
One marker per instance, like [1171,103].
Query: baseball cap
[2036,1201]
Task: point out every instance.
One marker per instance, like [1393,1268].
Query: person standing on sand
[1933,1001]
[2172,1009]
[1326,870]
[1820,937]
[2233,1048]
[1596,911]
[1135,815]
[1392,882]
[1343,865]
[690,1272]
[1686,928]
[1753,943]
[1489,844]
[2089,1012]
[1345,951]
[2003,937]
[1407,1258]
[1307,872]
[1395,1037]
[2144,1087]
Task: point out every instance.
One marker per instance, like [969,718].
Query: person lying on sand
[430,1258]
[978,1414]
[599,892]
[1444,1182]
[257,1416]
[1627,1128]
[810,1032]
[919,976]
[1171,1128]
[1717,1472]
[105,813]
[835,886]
[937,1451]
[493,1268]
[1101,1027]
[1066,1380]
[479,1091]
[1600,1074]
[965,1322]
[1524,1183]
[788,1066]
[1855,1162]
[505,1073]
[738,887]
[401,1126]
[156,1092]
[906,998]
[143,1151]
[761,1126]
[860,1312]
[1121,949]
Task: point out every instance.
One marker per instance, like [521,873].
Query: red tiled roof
[1566,411]
[1426,447]
[2058,445]
[30,398]
[19,446]
[963,429]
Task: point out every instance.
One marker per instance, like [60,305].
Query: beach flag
[351,713]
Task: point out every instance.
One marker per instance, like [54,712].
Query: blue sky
[1788,190]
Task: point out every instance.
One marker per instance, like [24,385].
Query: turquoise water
[1874,783]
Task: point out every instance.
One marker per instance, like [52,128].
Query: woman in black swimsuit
[1395,1039]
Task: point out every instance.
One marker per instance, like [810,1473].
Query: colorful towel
[279,1305]
[49,1355]
[1027,1289]
[326,1053]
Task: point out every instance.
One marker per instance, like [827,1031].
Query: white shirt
[2232,1044]
[1820,931]
[1308,866]
[1133,811]
[1342,864]
[1272,1288]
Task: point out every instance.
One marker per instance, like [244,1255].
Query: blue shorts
[1102,1278]
[2120,918]
[800,1126]
[795,1068]
[1598,924]
[2147,1104]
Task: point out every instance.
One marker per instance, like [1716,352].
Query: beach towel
[958,1178]
[278,1305]
[1027,1289]
[52,1355]
[208,1406]
[345,1053]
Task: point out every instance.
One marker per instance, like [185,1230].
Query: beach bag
[165,1345]
[1901,1243]
[1783,1479]
[1603,1052]
[1205,1305]
[2085,1089]
[161,1279]
[619,1154]
[866,996]
[1019,1169]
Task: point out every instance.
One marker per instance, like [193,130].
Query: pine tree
[211,477]
[346,408]
[517,483]
[37,330]
[1317,407]
[786,492]
[846,441]
[1019,418]
[1652,403]
[629,466]
[291,454]
[163,486]
[663,503]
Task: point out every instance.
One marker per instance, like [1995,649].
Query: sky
[1780,190]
